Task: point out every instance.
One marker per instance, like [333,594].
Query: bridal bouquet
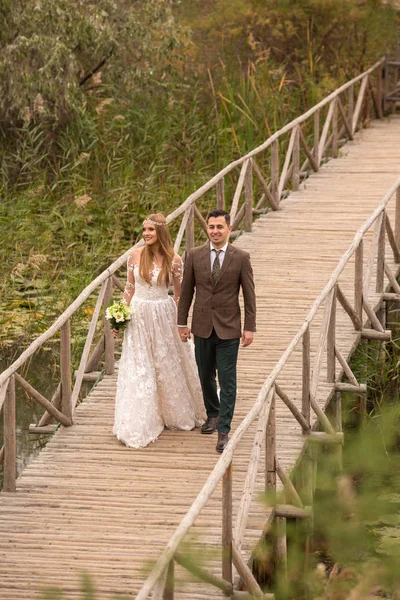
[118,314]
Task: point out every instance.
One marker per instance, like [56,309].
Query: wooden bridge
[325,257]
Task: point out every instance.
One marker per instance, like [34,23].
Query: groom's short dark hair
[219,212]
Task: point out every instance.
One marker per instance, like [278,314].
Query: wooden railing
[374,269]
[303,143]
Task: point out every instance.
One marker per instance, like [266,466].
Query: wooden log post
[227,535]
[65,366]
[330,341]
[245,573]
[366,116]
[275,170]
[380,265]
[281,549]
[306,379]
[397,218]
[385,84]
[316,138]
[10,438]
[56,402]
[379,91]
[189,233]
[358,281]
[307,489]
[350,107]
[169,590]
[336,417]
[97,353]
[270,452]
[396,67]
[33,393]
[296,160]
[220,192]
[267,193]
[108,334]
[335,137]
[200,218]
[248,194]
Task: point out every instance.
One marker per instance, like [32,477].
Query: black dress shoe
[210,425]
[223,439]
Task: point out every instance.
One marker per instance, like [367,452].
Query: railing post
[220,191]
[227,524]
[10,439]
[351,108]
[396,74]
[108,335]
[380,261]
[397,218]
[65,367]
[305,396]
[366,104]
[358,281]
[296,160]
[330,341]
[316,137]
[270,451]
[379,91]
[189,234]
[275,170]
[385,84]
[169,589]
[248,194]
[335,138]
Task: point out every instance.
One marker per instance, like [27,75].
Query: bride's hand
[184,333]
[115,333]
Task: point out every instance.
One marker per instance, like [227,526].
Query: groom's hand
[247,338]
[184,333]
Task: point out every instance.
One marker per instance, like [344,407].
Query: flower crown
[154,222]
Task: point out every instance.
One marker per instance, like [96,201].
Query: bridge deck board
[87,503]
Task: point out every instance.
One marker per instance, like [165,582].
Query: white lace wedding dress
[158,384]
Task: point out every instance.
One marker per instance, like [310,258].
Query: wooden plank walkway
[88,503]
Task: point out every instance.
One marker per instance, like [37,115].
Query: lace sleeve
[177,276]
[130,281]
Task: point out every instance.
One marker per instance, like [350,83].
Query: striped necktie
[216,270]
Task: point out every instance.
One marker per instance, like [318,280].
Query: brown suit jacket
[217,306]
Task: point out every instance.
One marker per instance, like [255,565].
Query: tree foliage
[53,53]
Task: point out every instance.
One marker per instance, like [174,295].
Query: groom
[216,272]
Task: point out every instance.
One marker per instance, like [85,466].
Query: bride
[158,384]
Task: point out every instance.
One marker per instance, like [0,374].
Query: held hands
[115,333]
[184,333]
[247,338]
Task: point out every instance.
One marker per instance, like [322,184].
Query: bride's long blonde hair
[166,250]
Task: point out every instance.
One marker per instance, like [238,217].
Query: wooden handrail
[248,488]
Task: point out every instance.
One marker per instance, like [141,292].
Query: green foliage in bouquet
[118,314]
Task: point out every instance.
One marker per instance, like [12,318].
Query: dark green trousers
[212,355]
